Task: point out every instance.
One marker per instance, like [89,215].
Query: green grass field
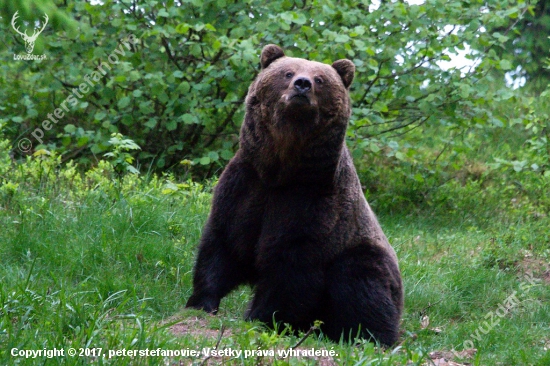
[90,262]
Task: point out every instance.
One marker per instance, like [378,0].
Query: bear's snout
[302,85]
[300,91]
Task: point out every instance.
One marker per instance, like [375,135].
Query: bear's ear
[269,54]
[346,69]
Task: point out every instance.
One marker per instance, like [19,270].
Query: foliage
[120,157]
[527,46]
[177,87]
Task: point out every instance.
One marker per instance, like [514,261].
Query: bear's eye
[318,80]
[288,75]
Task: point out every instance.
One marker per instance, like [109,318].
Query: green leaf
[213,156]
[182,28]
[124,102]
[380,106]
[216,45]
[70,128]
[151,123]
[226,154]
[172,125]
[505,64]
[100,115]
[83,140]
[374,147]
[188,119]
[341,38]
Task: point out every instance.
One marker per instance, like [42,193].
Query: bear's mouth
[300,98]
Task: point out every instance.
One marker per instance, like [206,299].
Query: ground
[110,267]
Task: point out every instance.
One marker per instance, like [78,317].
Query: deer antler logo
[29,40]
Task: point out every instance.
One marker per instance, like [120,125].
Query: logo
[29,40]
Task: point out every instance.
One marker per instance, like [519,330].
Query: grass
[95,263]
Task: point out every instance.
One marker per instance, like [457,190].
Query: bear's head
[298,91]
[296,108]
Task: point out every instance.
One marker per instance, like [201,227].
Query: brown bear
[289,216]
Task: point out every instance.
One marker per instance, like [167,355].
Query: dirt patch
[445,358]
[534,267]
[199,327]
[195,326]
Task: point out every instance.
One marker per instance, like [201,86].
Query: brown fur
[289,216]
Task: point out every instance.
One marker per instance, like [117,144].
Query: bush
[172,77]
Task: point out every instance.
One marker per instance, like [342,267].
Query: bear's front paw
[209,305]
[260,314]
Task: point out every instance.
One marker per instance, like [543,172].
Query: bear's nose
[302,85]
